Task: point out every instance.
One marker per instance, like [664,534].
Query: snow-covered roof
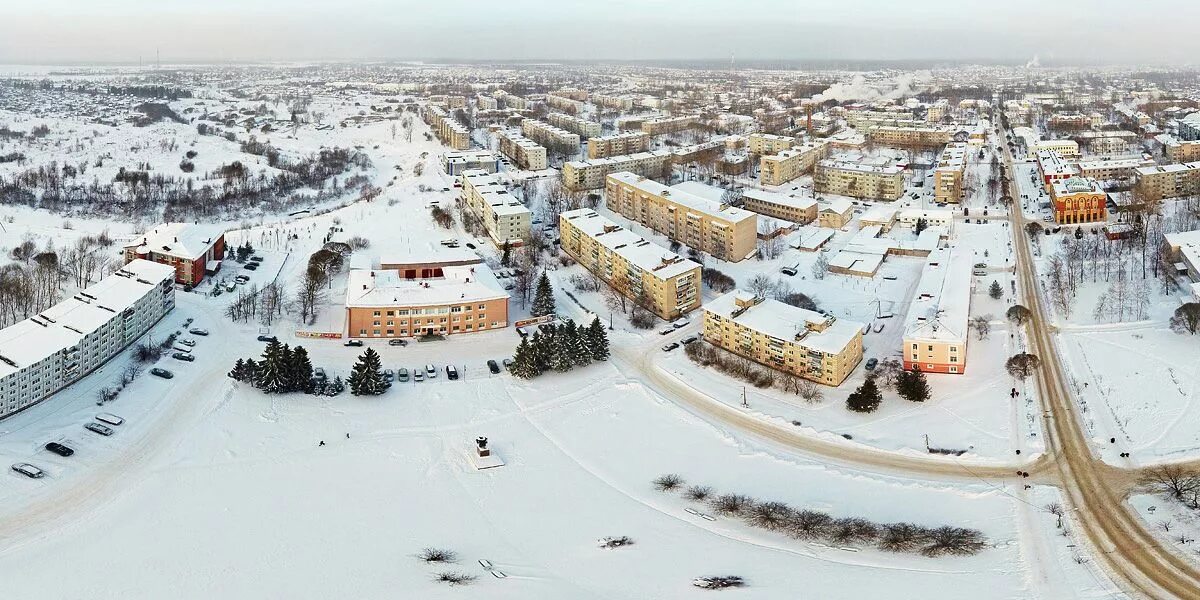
[182,240]
[714,208]
[778,199]
[459,284]
[840,206]
[808,329]
[942,303]
[646,255]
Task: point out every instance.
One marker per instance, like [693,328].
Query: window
[953,369]
[375,314]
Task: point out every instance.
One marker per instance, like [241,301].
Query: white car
[431,371]
[681,322]
[188,342]
[28,470]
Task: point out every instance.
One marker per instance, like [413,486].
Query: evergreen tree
[366,378]
[562,359]
[597,340]
[525,360]
[581,356]
[239,370]
[912,385]
[866,398]
[250,375]
[542,346]
[996,291]
[301,370]
[506,256]
[288,383]
[543,297]
[338,385]
[271,374]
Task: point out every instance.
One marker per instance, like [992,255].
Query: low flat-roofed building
[936,327]
[880,215]
[436,299]
[835,214]
[524,152]
[1078,200]
[818,347]
[858,179]
[789,208]
[1064,148]
[59,346]
[192,249]
[455,162]
[503,216]
[723,231]
[659,280]
[1052,167]
[1183,248]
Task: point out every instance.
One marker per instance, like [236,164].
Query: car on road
[188,342]
[397,342]
[418,374]
[871,363]
[430,371]
[60,449]
[98,428]
[29,470]
[451,372]
[681,322]
[184,356]
[670,347]
[267,338]
[402,375]
[198,331]
[353,343]
[165,374]
[493,367]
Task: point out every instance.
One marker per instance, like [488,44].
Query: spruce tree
[866,398]
[542,346]
[366,378]
[525,360]
[250,375]
[581,355]
[271,373]
[597,340]
[912,385]
[301,370]
[996,291]
[288,382]
[543,298]
[562,359]
[239,370]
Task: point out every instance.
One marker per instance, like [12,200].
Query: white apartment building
[548,135]
[47,352]
[504,217]
[583,127]
[524,152]
[590,174]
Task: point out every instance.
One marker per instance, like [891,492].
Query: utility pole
[745,404]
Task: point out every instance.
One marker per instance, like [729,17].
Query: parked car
[60,449]
[319,374]
[789,271]
[98,428]
[667,331]
[670,347]
[256,259]
[181,349]
[878,327]
[402,375]
[689,339]
[389,374]
[353,343]
[184,356]
[871,363]
[418,374]
[508,363]
[29,470]
[493,367]
[681,322]
[451,372]
[110,419]
[188,342]
[165,374]
[267,338]
[397,342]
[430,371]
[470,245]
[198,331]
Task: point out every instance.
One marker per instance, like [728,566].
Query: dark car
[165,374]
[183,356]
[871,363]
[198,331]
[267,338]
[59,449]
[397,342]
[470,245]
[493,366]
[353,343]
[251,266]
[98,428]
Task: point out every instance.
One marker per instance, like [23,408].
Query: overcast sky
[1093,31]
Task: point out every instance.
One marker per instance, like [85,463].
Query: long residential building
[504,217]
[1078,200]
[524,152]
[550,136]
[59,346]
[454,163]
[619,102]
[1167,181]
[858,179]
[948,173]
[564,103]
[1064,148]
[935,330]
[618,145]
[711,226]
[918,136]
[192,249]
[766,143]
[1107,168]
[438,298]
[583,127]
[589,174]
[818,347]
[1181,152]
[801,211]
[450,132]
[670,124]
[660,280]
[790,163]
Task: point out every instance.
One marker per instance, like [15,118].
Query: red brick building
[193,249]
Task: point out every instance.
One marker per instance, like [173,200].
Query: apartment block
[504,217]
[524,152]
[1181,152]
[779,206]
[617,145]
[564,103]
[1078,200]
[550,136]
[818,347]
[766,143]
[1064,148]
[670,124]
[659,280]
[450,132]
[590,174]
[583,127]
[916,136]
[1108,168]
[788,164]
[511,101]
[454,163]
[618,102]
[723,231]
[192,249]
[573,93]
[486,102]
[1052,167]
[948,173]
[1167,181]
[936,327]
[858,179]
[59,346]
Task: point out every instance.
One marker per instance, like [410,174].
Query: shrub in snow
[668,482]
[438,555]
[454,578]
[616,542]
[698,492]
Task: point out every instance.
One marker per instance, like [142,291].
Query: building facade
[433,299]
[659,280]
[788,164]
[503,216]
[47,352]
[454,163]
[948,173]
[935,329]
[1167,181]
[589,174]
[549,135]
[815,346]
[618,145]
[858,179]
[796,210]
[670,124]
[583,127]
[723,231]
[524,152]
[766,143]
[193,250]
[449,131]
[1078,200]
